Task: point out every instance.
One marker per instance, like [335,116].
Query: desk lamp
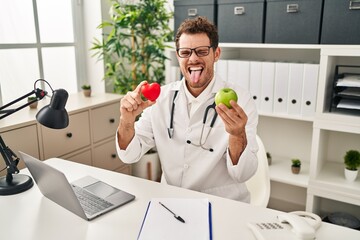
[53,116]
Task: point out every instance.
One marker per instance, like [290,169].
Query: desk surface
[29,215]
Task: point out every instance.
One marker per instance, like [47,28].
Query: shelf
[331,179]
[280,171]
[287,116]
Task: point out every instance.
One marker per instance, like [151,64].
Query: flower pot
[295,170]
[350,175]
[87,92]
[33,105]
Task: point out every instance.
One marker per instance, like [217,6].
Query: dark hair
[198,25]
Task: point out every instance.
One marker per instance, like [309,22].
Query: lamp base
[20,183]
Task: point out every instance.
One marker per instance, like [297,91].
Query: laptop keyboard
[90,203]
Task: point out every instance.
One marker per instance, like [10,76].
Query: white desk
[29,215]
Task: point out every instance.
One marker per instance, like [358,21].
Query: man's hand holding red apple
[131,105]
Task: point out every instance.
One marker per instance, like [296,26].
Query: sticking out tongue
[195,75]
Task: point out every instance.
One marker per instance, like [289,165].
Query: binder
[308,102]
[222,69]
[159,222]
[267,87]
[255,81]
[239,72]
[281,84]
[295,88]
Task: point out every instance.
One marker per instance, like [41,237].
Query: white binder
[255,81]
[239,72]
[295,88]
[267,87]
[308,102]
[221,69]
[281,84]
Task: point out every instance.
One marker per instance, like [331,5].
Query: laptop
[87,197]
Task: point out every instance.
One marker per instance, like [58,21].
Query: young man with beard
[214,157]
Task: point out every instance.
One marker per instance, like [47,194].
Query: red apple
[151,91]
[225,95]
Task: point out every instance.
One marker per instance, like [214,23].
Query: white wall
[94,67]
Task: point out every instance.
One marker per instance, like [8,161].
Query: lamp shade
[55,115]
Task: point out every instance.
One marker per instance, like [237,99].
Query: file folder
[308,102]
[255,81]
[222,69]
[281,84]
[267,87]
[160,224]
[239,72]
[295,88]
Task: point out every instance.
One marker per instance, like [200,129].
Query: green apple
[225,95]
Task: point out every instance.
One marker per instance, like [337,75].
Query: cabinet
[320,141]
[89,138]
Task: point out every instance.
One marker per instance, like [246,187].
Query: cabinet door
[105,120]
[63,141]
[105,156]
[21,139]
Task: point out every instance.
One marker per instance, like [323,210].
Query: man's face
[198,71]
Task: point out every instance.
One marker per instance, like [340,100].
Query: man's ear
[217,54]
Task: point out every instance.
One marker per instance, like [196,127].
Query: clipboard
[160,224]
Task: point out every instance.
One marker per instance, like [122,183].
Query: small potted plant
[352,163]
[86,90]
[34,104]
[295,165]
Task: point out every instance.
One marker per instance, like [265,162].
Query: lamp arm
[10,158]
[40,94]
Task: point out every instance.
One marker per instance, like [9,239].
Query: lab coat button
[188,130]
[186,166]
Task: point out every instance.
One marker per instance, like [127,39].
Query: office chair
[259,184]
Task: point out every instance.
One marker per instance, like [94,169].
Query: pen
[175,216]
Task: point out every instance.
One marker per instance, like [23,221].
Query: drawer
[341,22]
[184,9]
[63,141]
[105,121]
[124,169]
[294,22]
[82,157]
[241,21]
[105,156]
[23,139]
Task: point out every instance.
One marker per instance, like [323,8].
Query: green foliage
[134,49]
[295,162]
[86,87]
[352,159]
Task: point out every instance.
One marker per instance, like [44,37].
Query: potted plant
[295,165]
[352,163]
[134,47]
[34,104]
[86,90]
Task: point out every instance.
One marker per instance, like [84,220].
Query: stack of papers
[160,224]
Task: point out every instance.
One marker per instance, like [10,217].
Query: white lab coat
[188,166]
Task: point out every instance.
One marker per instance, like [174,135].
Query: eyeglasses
[201,51]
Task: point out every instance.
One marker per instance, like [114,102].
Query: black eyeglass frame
[193,50]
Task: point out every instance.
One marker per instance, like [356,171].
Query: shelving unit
[319,141]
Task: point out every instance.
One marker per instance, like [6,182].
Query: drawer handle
[292,8]
[112,120]
[354,5]
[239,10]
[113,155]
[69,135]
[192,12]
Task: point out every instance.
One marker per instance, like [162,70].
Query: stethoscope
[201,144]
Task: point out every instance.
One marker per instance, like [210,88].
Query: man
[212,158]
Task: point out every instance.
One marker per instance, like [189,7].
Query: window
[39,39]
